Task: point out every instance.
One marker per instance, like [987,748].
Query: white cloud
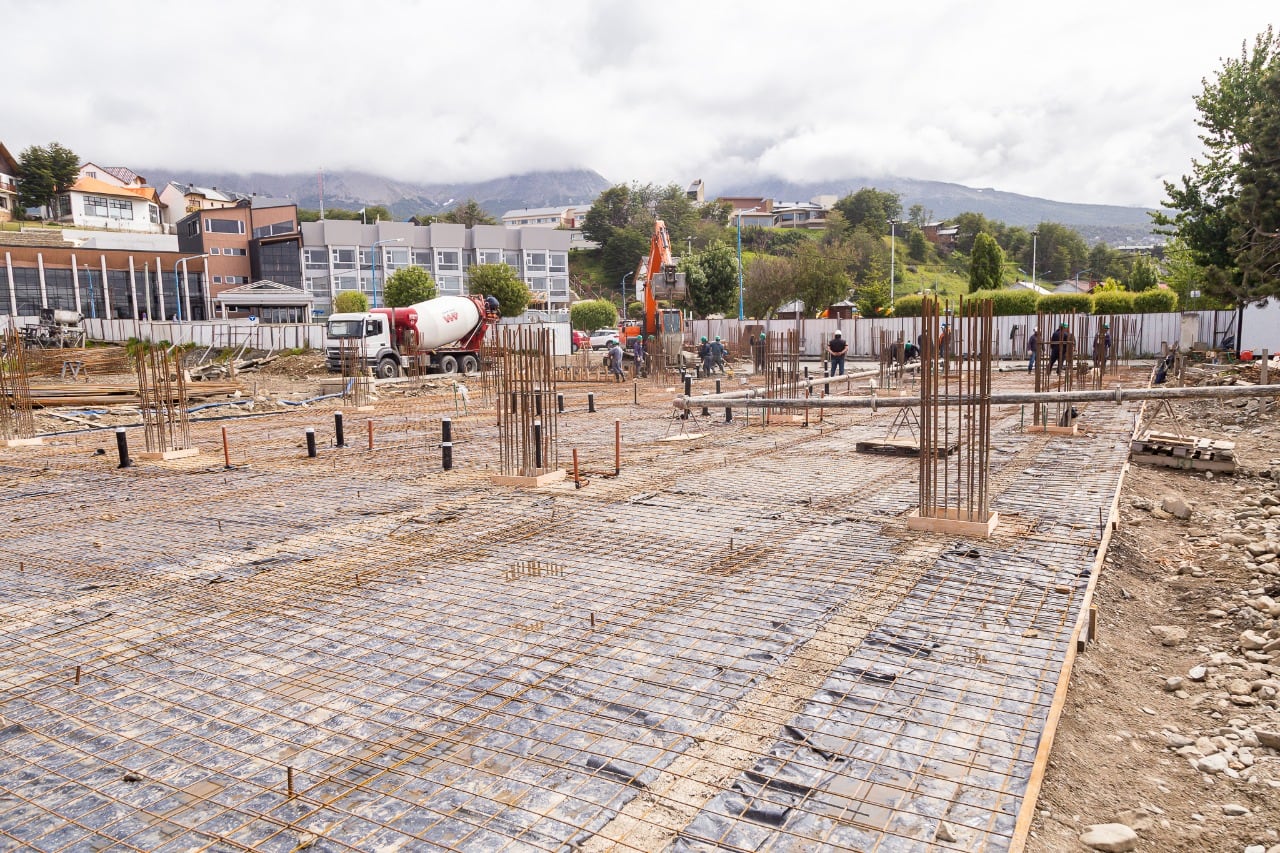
[1087,102]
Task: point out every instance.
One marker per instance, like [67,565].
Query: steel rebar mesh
[738,646]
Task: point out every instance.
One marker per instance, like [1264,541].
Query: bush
[501,282]
[1113,302]
[908,306]
[591,314]
[1155,301]
[1004,303]
[1065,303]
[350,302]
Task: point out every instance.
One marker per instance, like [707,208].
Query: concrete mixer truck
[441,335]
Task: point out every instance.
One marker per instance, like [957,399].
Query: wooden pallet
[1189,452]
[900,447]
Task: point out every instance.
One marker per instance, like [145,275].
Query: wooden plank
[529,482]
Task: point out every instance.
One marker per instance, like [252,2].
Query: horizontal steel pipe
[1115,395]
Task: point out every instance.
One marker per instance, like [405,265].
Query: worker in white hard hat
[836,350]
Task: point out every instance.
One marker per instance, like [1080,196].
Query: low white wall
[1148,331]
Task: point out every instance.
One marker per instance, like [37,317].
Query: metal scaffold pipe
[1115,395]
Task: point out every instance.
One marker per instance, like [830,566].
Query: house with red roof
[110,198]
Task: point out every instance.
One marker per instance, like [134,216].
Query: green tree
[613,209]
[718,291]
[1207,217]
[1059,252]
[622,254]
[917,246]
[350,302]
[968,226]
[821,278]
[1143,275]
[408,286]
[45,172]
[769,282]
[591,314]
[374,213]
[470,214]
[985,264]
[501,282]
[872,299]
[1255,212]
[871,209]
[918,216]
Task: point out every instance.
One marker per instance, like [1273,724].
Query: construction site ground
[734,642]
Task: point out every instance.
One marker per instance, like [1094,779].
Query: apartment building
[255,239]
[342,255]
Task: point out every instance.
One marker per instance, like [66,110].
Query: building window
[95,205]
[64,206]
[397,257]
[217,279]
[223,226]
[343,259]
[535,262]
[559,263]
[215,251]
[273,229]
[448,261]
[120,208]
[92,174]
[154,212]
[229,251]
[488,256]
[315,259]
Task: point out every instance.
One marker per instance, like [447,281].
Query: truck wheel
[470,364]
[448,364]
[386,369]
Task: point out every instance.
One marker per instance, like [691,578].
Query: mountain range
[1117,225]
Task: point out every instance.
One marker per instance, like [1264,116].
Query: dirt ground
[1175,731]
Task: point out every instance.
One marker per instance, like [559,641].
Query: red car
[580,340]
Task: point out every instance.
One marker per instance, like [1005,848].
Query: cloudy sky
[1081,101]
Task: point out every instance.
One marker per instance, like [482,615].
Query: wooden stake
[577,483]
[1093,622]
[617,447]
[226,451]
[77,674]
[369,424]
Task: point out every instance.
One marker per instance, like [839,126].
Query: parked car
[600,338]
[580,340]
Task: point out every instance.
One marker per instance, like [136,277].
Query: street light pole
[623,287]
[373,282]
[741,315]
[1086,269]
[1034,236]
[893,245]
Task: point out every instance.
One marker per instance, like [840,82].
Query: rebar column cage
[955,412]
[892,358]
[16,421]
[352,353]
[526,402]
[782,367]
[1062,375]
[162,397]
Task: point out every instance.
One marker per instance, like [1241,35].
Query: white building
[94,203]
[342,255]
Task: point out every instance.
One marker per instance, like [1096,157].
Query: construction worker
[1058,343]
[837,349]
[704,355]
[717,354]
[637,353]
[1033,344]
[615,360]
[758,347]
[944,341]
[1102,345]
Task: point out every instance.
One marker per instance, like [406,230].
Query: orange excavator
[658,279]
